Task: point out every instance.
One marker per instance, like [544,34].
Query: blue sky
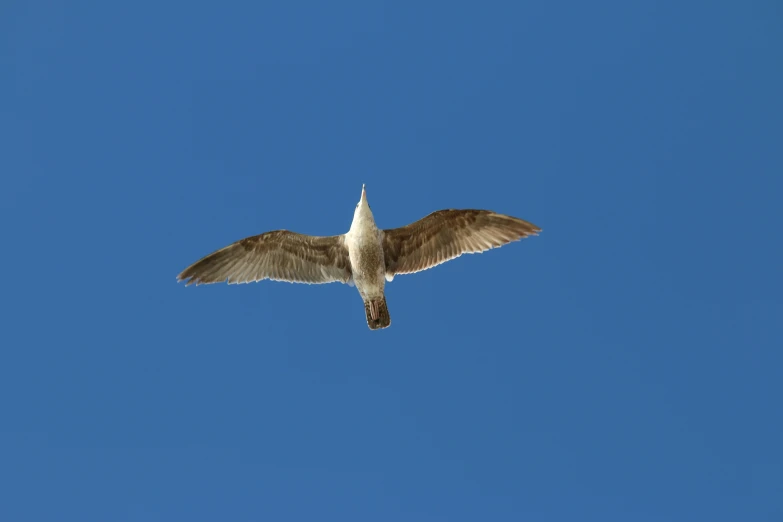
[625,365]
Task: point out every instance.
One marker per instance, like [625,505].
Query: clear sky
[624,365]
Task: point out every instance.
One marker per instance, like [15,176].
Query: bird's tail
[377,313]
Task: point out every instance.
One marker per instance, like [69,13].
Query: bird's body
[365,256]
[365,250]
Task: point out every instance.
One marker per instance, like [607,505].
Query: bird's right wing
[447,234]
[280,255]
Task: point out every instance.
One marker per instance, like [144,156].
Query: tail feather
[377,313]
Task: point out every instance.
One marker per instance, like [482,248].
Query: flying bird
[366,256]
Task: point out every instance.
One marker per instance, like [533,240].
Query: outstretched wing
[280,255]
[447,234]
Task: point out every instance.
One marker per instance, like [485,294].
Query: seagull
[365,257]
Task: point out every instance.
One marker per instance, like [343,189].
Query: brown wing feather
[447,234]
[280,255]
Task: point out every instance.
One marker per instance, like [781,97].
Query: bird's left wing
[279,255]
[446,234]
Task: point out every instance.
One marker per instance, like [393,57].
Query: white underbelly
[368,269]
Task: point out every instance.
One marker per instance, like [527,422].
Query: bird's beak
[364,194]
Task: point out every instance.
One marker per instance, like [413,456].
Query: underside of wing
[279,255]
[447,234]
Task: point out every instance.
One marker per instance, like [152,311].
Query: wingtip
[187,279]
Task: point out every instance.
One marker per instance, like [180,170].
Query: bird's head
[362,212]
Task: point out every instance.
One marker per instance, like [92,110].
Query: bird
[365,257]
